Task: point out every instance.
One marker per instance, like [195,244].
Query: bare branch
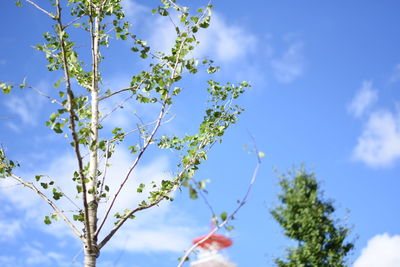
[71,22]
[122,90]
[208,204]
[51,203]
[231,216]
[41,9]
[52,100]
[70,97]
[134,164]
[119,105]
[147,143]
[105,168]
[177,184]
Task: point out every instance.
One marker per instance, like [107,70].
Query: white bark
[91,250]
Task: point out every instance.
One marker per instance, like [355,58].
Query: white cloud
[221,41]
[37,255]
[382,250]
[34,255]
[26,106]
[224,41]
[396,74]
[155,233]
[160,229]
[363,100]
[379,144]
[124,111]
[8,261]
[9,229]
[132,9]
[291,65]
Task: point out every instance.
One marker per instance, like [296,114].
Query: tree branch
[72,120]
[147,143]
[134,164]
[52,100]
[41,9]
[51,203]
[230,217]
[177,184]
[121,90]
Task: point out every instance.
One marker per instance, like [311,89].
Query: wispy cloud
[363,99]
[26,106]
[161,229]
[8,261]
[34,255]
[121,110]
[290,65]
[379,143]
[133,10]
[9,229]
[224,41]
[156,231]
[381,250]
[23,107]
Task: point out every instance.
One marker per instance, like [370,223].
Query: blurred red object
[215,241]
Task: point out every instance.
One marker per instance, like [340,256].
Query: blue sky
[326,80]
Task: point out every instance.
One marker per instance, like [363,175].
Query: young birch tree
[81,94]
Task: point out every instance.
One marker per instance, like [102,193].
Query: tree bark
[90,257]
[91,249]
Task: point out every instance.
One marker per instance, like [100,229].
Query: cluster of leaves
[307,218]
[6,165]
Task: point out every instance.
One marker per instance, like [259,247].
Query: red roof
[215,241]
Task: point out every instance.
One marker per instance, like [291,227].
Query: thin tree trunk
[90,257]
[91,250]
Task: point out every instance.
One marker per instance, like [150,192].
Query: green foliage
[6,166]
[308,219]
[6,88]
[79,93]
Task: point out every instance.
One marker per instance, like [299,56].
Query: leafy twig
[231,216]
[51,203]
[41,9]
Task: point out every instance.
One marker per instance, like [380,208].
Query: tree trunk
[91,250]
[90,257]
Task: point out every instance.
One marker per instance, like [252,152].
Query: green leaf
[54,116]
[37,177]
[54,216]
[223,216]
[140,188]
[56,194]
[79,188]
[47,220]
[57,84]
[230,228]
[6,88]
[193,193]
